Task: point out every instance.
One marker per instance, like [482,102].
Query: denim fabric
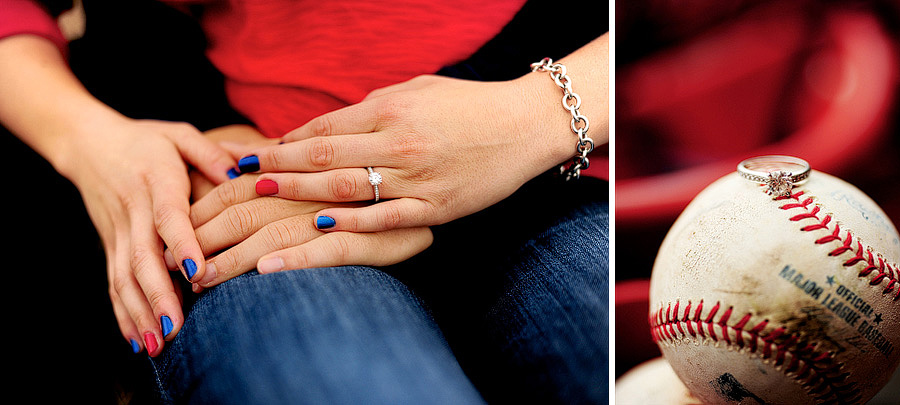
[551,321]
[509,305]
[339,335]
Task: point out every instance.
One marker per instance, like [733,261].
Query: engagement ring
[779,173]
[374,180]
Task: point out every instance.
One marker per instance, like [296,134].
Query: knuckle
[240,220]
[390,217]
[341,248]
[343,186]
[141,260]
[227,262]
[277,158]
[165,213]
[279,235]
[155,296]
[351,222]
[321,153]
[408,146]
[300,259]
[185,129]
[118,285]
[228,193]
[391,108]
[322,126]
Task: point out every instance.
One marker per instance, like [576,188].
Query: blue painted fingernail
[324,222]
[233,173]
[166,324]
[248,164]
[135,347]
[190,268]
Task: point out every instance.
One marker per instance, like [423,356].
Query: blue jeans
[509,304]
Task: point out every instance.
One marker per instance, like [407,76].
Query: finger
[348,248]
[320,153]
[126,324]
[173,224]
[125,287]
[202,153]
[339,185]
[354,119]
[200,185]
[127,327]
[240,221]
[148,267]
[243,257]
[225,195]
[383,216]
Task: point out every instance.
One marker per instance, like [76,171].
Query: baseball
[758,297]
[652,382]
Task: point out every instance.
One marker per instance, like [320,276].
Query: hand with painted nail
[439,148]
[136,191]
[243,231]
[132,176]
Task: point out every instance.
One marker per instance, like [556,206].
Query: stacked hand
[445,148]
[136,190]
[249,229]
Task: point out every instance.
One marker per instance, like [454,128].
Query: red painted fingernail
[150,342]
[266,187]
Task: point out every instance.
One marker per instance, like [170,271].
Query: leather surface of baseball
[652,382]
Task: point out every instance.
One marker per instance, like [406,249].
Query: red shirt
[286,62]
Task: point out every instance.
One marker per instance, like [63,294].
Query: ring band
[374,179]
[779,173]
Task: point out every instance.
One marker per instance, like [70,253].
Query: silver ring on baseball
[374,179]
[779,173]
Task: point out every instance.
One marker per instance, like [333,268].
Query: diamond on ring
[780,183]
[773,172]
[374,179]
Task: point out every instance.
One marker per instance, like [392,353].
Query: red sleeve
[29,17]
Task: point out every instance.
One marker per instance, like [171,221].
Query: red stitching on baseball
[818,372]
[885,270]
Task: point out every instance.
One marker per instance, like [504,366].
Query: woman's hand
[244,231]
[133,178]
[445,148]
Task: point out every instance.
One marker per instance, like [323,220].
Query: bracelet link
[571,101]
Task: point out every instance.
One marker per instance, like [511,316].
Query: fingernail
[266,187]
[150,342]
[135,346]
[166,324]
[190,268]
[270,265]
[209,275]
[233,173]
[248,164]
[324,222]
[170,259]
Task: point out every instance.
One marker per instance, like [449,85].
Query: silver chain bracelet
[571,102]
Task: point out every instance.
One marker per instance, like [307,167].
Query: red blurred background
[704,84]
